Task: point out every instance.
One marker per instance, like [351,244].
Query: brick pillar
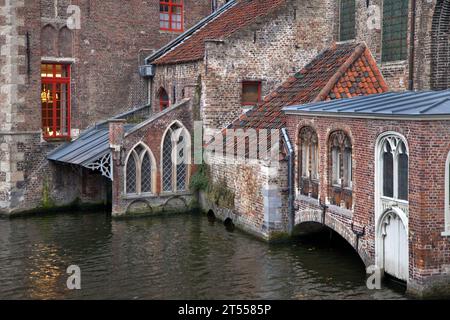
[116,135]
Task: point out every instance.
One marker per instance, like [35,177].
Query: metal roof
[392,104]
[90,146]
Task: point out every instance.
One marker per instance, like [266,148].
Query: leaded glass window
[131,174]
[395,30]
[347,20]
[139,171]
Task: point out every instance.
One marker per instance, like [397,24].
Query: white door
[395,245]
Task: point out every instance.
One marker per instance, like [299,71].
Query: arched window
[65,42]
[440,46]
[447,197]
[347,28]
[308,162]
[139,171]
[394,167]
[395,30]
[341,172]
[163,99]
[175,159]
[48,41]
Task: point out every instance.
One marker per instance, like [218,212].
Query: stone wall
[113,39]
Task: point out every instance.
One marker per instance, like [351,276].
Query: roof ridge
[359,50]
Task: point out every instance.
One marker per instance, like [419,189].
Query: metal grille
[395,30]
[131,175]
[146,174]
[167,162]
[347,20]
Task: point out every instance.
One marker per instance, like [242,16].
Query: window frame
[138,159]
[251,83]
[340,21]
[308,160]
[339,144]
[446,232]
[163,103]
[383,39]
[171,4]
[174,132]
[53,82]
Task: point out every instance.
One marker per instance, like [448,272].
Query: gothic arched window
[340,170]
[308,162]
[394,167]
[163,99]
[440,46]
[139,171]
[175,158]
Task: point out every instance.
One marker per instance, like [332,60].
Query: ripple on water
[177,257]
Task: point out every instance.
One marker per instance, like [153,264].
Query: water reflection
[176,257]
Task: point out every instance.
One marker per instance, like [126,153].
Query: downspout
[290,157]
[412,37]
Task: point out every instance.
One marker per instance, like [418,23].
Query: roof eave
[415,117]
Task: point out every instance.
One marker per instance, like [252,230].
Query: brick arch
[65,47]
[305,123]
[337,226]
[440,46]
[339,127]
[49,36]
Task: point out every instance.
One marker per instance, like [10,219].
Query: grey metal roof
[393,104]
[175,42]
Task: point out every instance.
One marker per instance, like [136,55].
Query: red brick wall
[428,149]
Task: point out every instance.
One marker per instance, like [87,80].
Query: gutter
[290,157]
[412,37]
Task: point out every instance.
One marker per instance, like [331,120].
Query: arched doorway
[393,242]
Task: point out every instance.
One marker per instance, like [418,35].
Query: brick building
[376,170]
[64,66]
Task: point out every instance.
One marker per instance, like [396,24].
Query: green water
[175,257]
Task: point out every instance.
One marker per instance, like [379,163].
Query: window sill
[446,233]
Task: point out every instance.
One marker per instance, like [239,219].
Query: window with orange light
[55,100]
[171,15]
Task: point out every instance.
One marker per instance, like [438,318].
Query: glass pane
[347,20]
[403,177]
[348,168]
[395,30]
[146,174]
[336,166]
[131,175]
[250,93]
[388,174]
[167,163]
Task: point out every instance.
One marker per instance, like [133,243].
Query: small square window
[251,93]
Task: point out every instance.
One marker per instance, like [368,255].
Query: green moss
[47,201]
[279,236]
[200,179]
[219,194]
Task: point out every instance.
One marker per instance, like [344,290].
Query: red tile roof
[342,71]
[242,14]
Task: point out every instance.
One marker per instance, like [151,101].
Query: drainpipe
[290,157]
[412,36]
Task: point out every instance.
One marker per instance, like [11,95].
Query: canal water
[174,257]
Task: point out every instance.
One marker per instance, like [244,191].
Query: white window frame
[175,135]
[132,155]
[446,232]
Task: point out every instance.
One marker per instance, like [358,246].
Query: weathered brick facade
[428,250]
[104,54]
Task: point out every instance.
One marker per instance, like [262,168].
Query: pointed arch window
[308,162]
[394,164]
[139,171]
[175,159]
[340,170]
[163,99]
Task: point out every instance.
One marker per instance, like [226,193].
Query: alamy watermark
[74,279]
